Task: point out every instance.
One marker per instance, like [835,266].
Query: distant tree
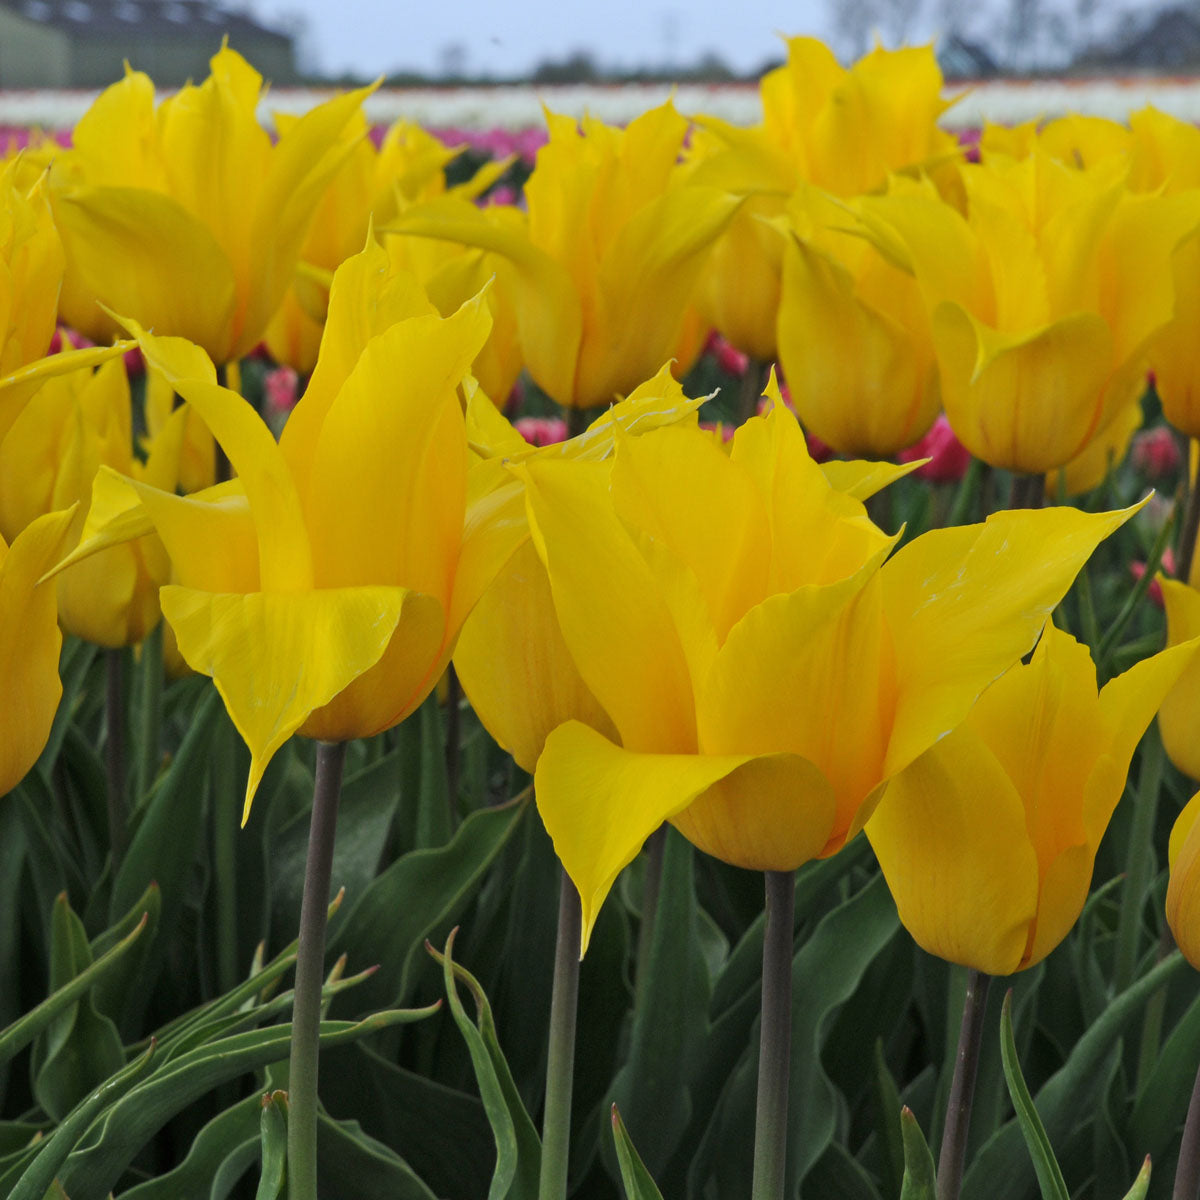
[896,19]
[577,67]
[853,22]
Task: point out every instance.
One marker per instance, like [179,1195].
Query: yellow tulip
[31,268]
[29,644]
[512,660]
[323,588]
[842,130]
[766,672]
[854,338]
[1044,299]
[1102,454]
[189,218]
[988,840]
[1183,888]
[370,185]
[609,257]
[1180,716]
[74,424]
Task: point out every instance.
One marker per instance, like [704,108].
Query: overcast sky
[510,36]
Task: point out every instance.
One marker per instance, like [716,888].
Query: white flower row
[520,106]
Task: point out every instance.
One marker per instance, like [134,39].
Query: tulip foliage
[432,498]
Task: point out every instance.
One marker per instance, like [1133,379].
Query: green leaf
[1050,1178]
[639,1185]
[670,1017]
[889,1124]
[113,991]
[433,800]
[1168,1088]
[94,1167]
[21,1032]
[1141,1185]
[227,1133]
[919,1181]
[518,1149]
[838,1173]
[1000,1171]
[349,1163]
[73,667]
[442,1133]
[417,894]
[79,1048]
[168,837]
[52,1153]
[274,1147]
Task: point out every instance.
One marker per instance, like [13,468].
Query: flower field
[647,653]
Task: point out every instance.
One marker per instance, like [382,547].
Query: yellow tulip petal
[964,604]
[683,493]
[599,803]
[613,617]
[29,643]
[644,281]
[809,673]
[548,308]
[1179,718]
[949,834]
[400,395]
[515,667]
[285,559]
[1183,890]
[141,253]
[275,658]
[1026,402]
[818,534]
[862,479]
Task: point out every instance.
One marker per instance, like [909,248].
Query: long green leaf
[93,1168]
[417,894]
[1141,1185]
[1050,1178]
[919,1181]
[41,1173]
[518,1148]
[274,1147]
[1001,1171]
[21,1032]
[638,1183]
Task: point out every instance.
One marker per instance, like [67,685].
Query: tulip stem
[453,749]
[560,1063]
[1191,527]
[150,732]
[775,1042]
[655,847]
[750,389]
[962,1087]
[114,751]
[1028,491]
[1187,1172]
[577,421]
[226,787]
[310,974]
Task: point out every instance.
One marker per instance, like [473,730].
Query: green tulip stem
[227,785]
[655,847]
[577,421]
[1028,491]
[453,748]
[1187,1172]
[560,1062]
[775,1043]
[310,974]
[1190,530]
[149,750]
[1140,862]
[114,750]
[750,389]
[962,1088]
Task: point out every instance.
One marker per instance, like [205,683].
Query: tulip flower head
[323,588]
[608,259]
[765,671]
[988,840]
[1183,887]
[29,643]
[188,217]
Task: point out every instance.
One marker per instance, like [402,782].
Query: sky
[506,37]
